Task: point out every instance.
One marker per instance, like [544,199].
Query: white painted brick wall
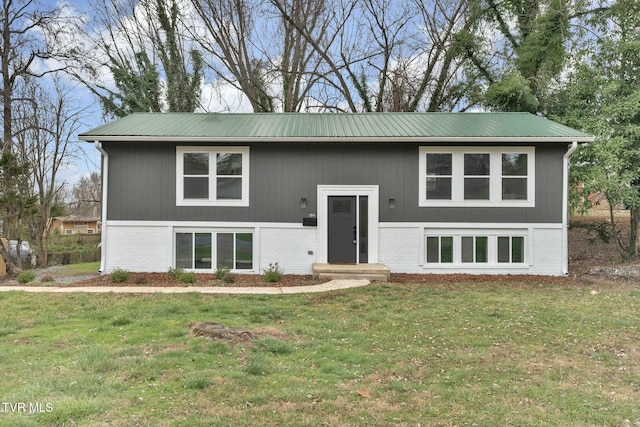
[289,247]
[149,248]
[138,248]
[547,252]
[400,251]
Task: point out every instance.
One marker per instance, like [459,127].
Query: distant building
[68,225]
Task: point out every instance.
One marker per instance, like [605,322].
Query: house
[417,192]
[67,225]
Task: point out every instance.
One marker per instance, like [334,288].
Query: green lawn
[80,268]
[465,354]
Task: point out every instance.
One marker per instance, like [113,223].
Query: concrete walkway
[333,285]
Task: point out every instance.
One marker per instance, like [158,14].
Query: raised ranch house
[417,192]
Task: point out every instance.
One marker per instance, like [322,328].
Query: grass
[463,354]
[81,268]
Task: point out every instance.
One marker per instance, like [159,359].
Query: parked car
[25,249]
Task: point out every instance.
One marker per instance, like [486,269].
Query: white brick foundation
[149,246]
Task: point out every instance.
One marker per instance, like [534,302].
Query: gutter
[565,207]
[105,187]
[339,139]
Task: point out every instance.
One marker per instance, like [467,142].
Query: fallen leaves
[364,394]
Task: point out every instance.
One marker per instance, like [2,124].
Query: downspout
[105,187]
[565,208]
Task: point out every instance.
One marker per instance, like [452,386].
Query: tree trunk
[634,234]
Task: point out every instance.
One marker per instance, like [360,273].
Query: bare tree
[86,196]
[396,55]
[50,124]
[31,35]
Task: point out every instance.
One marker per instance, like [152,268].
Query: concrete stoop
[372,272]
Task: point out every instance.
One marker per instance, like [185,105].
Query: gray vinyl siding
[142,181]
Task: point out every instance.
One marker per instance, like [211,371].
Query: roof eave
[237,140]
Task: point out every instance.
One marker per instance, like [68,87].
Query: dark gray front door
[343,229]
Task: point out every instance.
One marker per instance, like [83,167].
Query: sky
[216,97]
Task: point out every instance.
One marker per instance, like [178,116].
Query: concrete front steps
[372,272]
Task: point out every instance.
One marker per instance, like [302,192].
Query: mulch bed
[164,279]
[256,280]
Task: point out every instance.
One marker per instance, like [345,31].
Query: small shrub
[119,275]
[47,278]
[175,273]
[224,273]
[188,277]
[273,274]
[141,281]
[26,276]
[221,272]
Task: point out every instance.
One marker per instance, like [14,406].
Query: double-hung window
[212,176]
[477,176]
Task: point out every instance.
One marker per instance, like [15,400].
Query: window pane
[514,188]
[244,251]
[439,164]
[482,249]
[229,188]
[467,249]
[446,247]
[476,164]
[224,250]
[196,188]
[364,229]
[433,249]
[503,249]
[476,188]
[196,163]
[229,164]
[184,250]
[517,249]
[438,188]
[203,251]
[514,164]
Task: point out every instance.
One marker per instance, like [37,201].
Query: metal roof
[335,127]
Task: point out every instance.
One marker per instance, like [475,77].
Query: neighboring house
[68,225]
[418,192]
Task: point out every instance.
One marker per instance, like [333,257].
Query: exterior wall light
[392,203]
[303,203]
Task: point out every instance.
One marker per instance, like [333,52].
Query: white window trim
[214,232]
[495,177]
[492,247]
[212,151]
